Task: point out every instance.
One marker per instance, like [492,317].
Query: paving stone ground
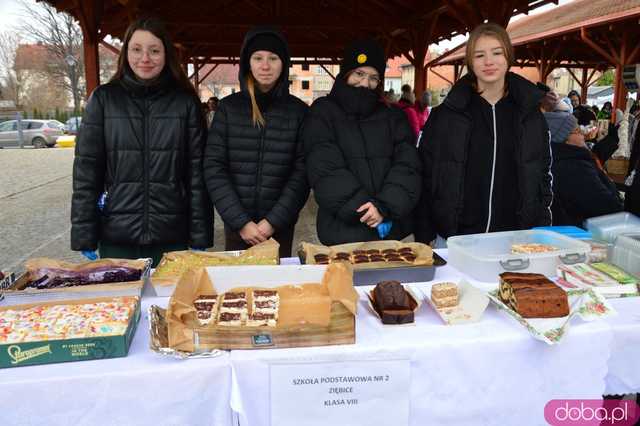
[35,204]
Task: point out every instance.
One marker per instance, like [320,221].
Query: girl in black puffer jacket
[361,159]
[486,150]
[254,162]
[139,152]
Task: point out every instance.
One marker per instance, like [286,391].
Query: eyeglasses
[373,78]
[154,53]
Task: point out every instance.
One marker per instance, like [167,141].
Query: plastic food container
[626,253]
[607,228]
[484,256]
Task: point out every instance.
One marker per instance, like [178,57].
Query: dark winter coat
[253,172]
[358,149]
[581,190]
[143,145]
[444,148]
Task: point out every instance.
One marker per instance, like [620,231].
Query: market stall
[458,374]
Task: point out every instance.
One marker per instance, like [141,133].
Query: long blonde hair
[256,114]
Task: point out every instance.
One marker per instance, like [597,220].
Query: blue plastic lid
[569,231]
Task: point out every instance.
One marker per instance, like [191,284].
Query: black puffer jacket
[143,145]
[255,173]
[581,190]
[444,146]
[358,149]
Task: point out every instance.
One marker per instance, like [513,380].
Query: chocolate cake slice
[533,295]
[392,303]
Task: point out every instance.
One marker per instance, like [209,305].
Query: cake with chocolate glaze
[392,302]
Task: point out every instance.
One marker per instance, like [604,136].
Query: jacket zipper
[256,200]
[145,165]
[493,166]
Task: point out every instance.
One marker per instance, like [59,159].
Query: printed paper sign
[352,393]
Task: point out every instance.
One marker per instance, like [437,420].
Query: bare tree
[12,78]
[62,37]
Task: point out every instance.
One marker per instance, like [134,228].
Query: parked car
[72,125]
[36,133]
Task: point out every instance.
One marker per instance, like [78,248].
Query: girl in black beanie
[361,161]
[254,163]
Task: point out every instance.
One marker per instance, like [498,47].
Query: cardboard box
[18,293]
[55,351]
[317,307]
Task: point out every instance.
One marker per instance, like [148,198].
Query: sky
[9,13]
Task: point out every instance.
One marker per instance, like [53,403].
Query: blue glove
[90,254]
[384,228]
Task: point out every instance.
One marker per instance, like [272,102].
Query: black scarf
[358,101]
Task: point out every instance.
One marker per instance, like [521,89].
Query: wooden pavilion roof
[314,28]
[557,34]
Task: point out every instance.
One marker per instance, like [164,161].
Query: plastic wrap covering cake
[46,273]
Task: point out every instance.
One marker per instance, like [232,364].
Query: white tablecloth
[488,373]
[460,375]
[142,389]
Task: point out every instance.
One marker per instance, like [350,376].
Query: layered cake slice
[234,303]
[533,295]
[445,295]
[392,303]
[258,319]
[229,319]
[206,305]
[265,302]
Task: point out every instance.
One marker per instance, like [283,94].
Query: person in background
[595,110]
[584,115]
[605,148]
[606,111]
[254,160]
[361,155]
[407,105]
[212,105]
[581,188]
[138,189]
[487,157]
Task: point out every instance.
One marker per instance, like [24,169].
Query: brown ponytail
[256,114]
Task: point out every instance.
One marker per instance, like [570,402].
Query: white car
[36,133]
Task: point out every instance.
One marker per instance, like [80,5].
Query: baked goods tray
[404,274]
[159,338]
[587,304]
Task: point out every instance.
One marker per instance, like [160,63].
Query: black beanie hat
[268,42]
[364,53]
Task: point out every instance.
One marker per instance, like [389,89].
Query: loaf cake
[445,295]
[392,302]
[533,295]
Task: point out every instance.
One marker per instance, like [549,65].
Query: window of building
[305,67]
[305,85]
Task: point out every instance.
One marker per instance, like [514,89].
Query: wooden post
[584,86]
[90,17]
[196,74]
[620,92]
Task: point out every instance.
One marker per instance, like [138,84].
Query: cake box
[68,350]
[317,307]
